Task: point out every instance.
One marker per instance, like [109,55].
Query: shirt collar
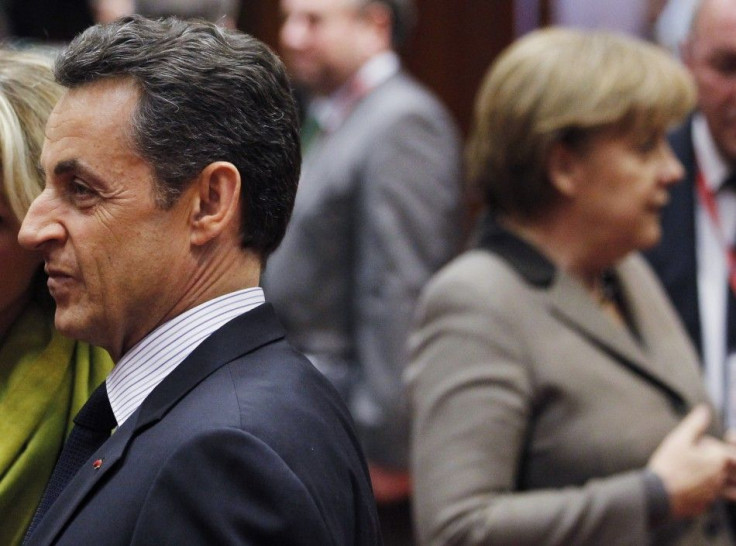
[710,162]
[528,262]
[331,111]
[154,357]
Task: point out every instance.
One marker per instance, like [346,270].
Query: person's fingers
[694,425]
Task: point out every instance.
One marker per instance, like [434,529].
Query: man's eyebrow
[66,166]
[72,165]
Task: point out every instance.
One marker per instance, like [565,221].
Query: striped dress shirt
[154,357]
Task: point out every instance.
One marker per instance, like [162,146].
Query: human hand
[695,469]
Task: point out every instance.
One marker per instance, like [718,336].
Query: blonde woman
[44,378]
[556,398]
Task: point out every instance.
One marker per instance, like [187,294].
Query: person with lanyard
[378,210]
[695,259]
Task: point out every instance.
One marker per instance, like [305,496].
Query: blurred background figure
[48,22]
[378,210]
[556,397]
[44,378]
[695,259]
[223,12]
[672,23]
[628,16]
[106,11]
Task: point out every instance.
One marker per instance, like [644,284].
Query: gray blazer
[535,413]
[376,213]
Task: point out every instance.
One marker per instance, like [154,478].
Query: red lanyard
[708,198]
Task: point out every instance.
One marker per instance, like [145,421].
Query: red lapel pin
[97,464]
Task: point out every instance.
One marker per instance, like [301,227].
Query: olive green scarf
[44,381]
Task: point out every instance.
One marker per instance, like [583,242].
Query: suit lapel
[569,302]
[241,335]
[79,487]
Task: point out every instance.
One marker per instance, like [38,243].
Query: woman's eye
[649,144]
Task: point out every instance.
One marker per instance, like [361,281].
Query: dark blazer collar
[241,335]
[526,260]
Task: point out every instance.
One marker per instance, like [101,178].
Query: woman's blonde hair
[28,93]
[561,85]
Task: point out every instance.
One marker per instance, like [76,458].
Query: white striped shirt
[155,356]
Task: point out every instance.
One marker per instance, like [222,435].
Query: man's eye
[725,65]
[79,190]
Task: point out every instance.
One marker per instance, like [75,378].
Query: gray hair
[206,94]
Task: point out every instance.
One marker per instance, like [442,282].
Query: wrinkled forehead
[100,109]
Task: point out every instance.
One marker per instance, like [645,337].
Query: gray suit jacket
[377,212]
[536,413]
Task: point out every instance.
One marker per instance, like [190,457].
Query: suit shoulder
[259,494]
[477,278]
[478,269]
[403,97]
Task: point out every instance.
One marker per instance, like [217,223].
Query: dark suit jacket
[673,259]
[243,443]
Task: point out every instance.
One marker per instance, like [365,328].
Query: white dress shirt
[155,356]
[720,374]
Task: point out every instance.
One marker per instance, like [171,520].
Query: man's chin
[73,326]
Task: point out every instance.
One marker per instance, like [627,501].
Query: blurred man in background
[695,259]
[377,212]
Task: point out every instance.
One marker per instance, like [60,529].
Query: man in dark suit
[171,167]
[695,258]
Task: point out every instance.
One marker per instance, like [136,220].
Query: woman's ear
[563,168]
[216,206]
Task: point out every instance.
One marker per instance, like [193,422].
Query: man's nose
[40,225]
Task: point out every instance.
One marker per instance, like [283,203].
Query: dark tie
[92,426]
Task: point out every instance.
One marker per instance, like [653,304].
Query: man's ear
[216,205]
[562,169]
[378,17]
